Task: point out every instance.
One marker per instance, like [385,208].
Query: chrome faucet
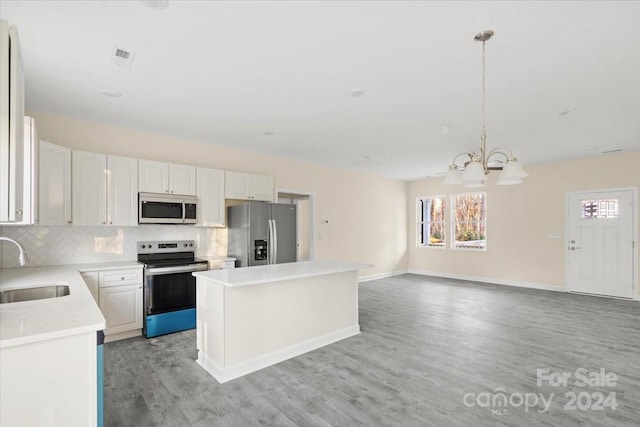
[22,258]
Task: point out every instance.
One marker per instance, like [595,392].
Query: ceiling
[284,77]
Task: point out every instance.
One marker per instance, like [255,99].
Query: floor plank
[425,343]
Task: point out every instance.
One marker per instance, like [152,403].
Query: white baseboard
[516,283]
[382,275]
[223,375]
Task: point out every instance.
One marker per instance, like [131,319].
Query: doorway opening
[305,224]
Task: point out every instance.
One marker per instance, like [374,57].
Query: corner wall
[519,220]
[366,213]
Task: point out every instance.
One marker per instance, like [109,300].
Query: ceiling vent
[122,57]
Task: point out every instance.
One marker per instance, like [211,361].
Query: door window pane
[601,208]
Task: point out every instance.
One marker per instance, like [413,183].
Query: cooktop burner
[168,253]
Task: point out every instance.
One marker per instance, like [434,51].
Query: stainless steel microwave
[158,208]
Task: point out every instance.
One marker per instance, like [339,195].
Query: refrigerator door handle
[275,242]
[270,246]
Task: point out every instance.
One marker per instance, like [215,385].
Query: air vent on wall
[122,57]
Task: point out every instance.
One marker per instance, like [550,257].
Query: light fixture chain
[484,91]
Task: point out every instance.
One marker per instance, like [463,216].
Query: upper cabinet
[104,189]
[11,125]
[160,177]
[54,184]
[210,185]
[243,186]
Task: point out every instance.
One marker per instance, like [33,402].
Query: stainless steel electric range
[169,286]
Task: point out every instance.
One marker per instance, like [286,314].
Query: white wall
[519,219]
[367,213]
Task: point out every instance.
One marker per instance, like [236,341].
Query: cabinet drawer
[120,277]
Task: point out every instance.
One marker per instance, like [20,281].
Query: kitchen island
[250,318]
[48,352]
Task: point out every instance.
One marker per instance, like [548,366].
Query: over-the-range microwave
[159,208]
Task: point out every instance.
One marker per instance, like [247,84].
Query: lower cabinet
[118,293]
[122,308]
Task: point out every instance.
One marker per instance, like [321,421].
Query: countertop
[277,272]
[32,321]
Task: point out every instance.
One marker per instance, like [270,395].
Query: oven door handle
[177,269]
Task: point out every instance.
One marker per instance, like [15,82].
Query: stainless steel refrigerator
[261,233]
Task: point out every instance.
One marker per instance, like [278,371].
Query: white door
[54,184]
[236,185]
[600,243]
[260,187]
[182,179]
[122,308]
[210,197]
[122,191]
[153,177]
[89,204]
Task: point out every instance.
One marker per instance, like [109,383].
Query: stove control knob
[143,246]
[185,245]
[150,246]
[191,244]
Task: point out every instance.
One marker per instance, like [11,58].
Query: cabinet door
[153,177]
[122,191]
[260,187]
[122,308]
[210,192]
[89,188]
[236,185]
[91,279]
[182,179]
[54,182]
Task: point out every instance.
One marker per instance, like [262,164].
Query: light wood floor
[425,343]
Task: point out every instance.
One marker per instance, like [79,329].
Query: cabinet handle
[103,223]
[110,222]
[122,278]
[69,222]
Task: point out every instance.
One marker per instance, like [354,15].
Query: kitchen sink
[30,294]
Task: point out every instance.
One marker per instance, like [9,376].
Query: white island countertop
[276,272]
[32,321]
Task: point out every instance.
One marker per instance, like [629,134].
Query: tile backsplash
[77,245]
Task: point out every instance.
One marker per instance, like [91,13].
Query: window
[469,220]
[431,223]
[604,208]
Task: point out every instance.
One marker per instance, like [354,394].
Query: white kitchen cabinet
[244,186]
[88,181]
[54,184]
[92,281]
[210,192]
[104,189]
[11,125]
[122,308]
[28,215]
[160,177]
[120,301]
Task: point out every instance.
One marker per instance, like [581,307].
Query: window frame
[454,222]
[420,223]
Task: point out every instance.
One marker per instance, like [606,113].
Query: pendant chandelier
[472,173]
